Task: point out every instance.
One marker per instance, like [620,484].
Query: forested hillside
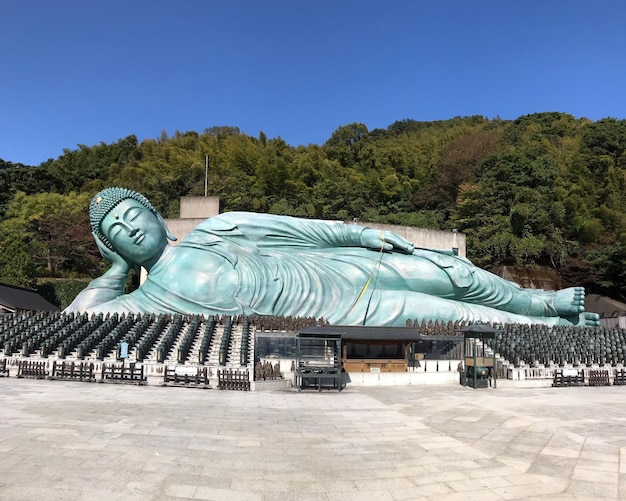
[546,190]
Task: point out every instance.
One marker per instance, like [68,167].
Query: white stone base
[401,378]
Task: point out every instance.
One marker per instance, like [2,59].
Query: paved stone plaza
[90,441]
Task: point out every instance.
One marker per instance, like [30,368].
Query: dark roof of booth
[363,333]
[18,298]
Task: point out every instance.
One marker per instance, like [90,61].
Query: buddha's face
[135,232]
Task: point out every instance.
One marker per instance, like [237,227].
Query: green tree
[345,143]
[56,230]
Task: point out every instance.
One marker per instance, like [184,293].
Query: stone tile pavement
[89,441]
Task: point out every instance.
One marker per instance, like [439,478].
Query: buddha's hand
[119,264]
[385,240]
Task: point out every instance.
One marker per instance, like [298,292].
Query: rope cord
[376,269]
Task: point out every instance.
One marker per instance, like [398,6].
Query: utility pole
[206,174]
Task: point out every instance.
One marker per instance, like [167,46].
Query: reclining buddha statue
[260,264]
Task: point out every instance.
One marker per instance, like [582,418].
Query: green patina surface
[261,264]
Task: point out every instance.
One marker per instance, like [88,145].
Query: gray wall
[180,227]
[200,207]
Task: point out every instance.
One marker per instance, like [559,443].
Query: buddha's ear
[169,234]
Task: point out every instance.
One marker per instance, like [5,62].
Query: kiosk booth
[318,363]
[480,369]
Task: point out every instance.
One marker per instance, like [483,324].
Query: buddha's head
[127,223]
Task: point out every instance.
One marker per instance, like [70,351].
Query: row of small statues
[265,370]
[437,327]
[288,324]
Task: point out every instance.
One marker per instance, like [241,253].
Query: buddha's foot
[584,319]
[569,302]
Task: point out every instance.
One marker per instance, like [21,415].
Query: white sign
[186,371]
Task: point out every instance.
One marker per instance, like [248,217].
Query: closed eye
[115,231]
[133,213]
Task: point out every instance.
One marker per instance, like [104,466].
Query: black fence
[232,379]
[73,371]
[122,373]
[186,376]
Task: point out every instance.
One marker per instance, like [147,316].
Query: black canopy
[478,330]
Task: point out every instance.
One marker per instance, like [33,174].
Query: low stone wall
[402,378]
[429,372]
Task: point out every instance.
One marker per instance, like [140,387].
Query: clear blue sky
[84,72]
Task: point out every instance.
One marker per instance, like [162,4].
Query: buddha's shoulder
[188,259]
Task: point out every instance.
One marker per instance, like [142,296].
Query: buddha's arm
[267,230]
[107,287]
[100,290]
